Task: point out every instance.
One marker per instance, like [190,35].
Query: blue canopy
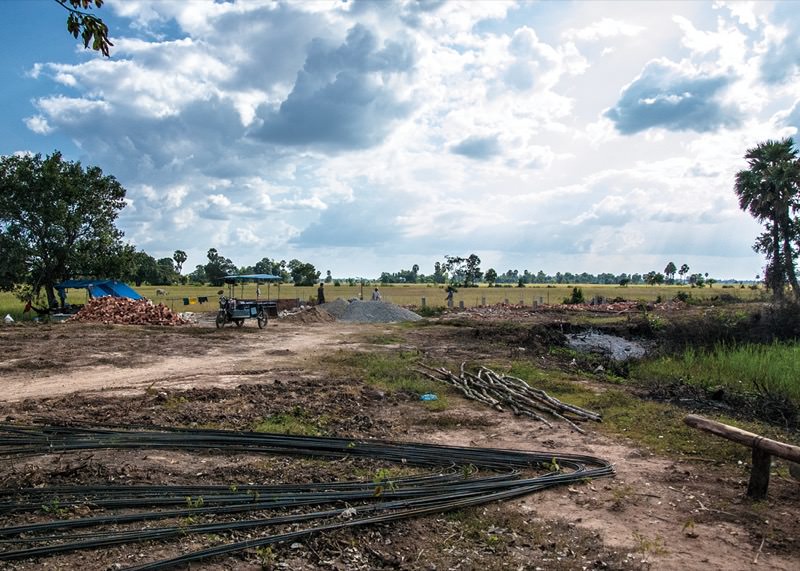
[252,277]
[100,288]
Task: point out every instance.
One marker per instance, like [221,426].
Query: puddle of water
[616,348]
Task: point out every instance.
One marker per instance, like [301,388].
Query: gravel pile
[369,311]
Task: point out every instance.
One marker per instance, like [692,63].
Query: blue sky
[371,136]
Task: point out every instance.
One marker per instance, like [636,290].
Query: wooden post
[763,450]
[424,302]
[759,474]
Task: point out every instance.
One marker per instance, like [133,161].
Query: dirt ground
[656,513]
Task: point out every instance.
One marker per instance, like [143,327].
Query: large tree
[303,273]
[57,222]
[770,190]
[218,267]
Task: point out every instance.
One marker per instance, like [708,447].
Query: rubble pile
[124,311]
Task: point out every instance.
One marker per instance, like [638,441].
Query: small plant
[575,298]
[683,296]
[194,503]
[54,508]
[647,546]
[266,557]
[383,481]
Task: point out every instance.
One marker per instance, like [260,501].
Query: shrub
[576,297]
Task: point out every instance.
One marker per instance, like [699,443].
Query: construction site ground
[658,512]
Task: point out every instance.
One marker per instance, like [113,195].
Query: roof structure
[101,288]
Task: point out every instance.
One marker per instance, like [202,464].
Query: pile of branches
[499,391]
[124,311]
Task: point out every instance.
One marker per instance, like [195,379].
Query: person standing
[450,291]
[376,295]
[321,294]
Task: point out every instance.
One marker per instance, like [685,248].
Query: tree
[303,274]
[328,277]
[463,270]
[491,276]
[88,26]
[218,267]
[439,273]
[57,222]
[669,271]
[180,257]
[769,191]
[684,270]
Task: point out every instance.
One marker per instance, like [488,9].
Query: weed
[266,557]
[296,422]
[194,503]
[54,508]
[621,496]
[648,547]
[175,402]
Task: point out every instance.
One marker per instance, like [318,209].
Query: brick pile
[124,311]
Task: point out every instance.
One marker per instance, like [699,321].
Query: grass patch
[393,372]
[771,370]
[296,422]
[384,339]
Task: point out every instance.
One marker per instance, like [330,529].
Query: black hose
[465,477]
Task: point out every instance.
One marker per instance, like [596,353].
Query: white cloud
[603,29]
[38,124]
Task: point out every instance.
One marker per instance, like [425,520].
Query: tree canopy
[57,222]
[770,191]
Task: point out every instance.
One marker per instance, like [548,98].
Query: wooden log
[773,447]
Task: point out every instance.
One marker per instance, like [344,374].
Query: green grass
[390,371]
[771,369]
[658,427]
[296,422]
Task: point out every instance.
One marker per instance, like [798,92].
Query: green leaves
[56,220]
[91,28]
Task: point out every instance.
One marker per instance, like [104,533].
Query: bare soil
[658,512]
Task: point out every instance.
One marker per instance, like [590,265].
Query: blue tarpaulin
[100,288]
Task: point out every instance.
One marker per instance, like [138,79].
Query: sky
[369,136]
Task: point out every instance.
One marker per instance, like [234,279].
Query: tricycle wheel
[239,322]
[220,321]
[262,319]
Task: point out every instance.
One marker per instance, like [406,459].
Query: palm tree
[769,190]
[670,270]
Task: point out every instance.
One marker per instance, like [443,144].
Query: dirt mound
[308,315]
[124,311]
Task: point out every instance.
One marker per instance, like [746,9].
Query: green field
[408,294]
